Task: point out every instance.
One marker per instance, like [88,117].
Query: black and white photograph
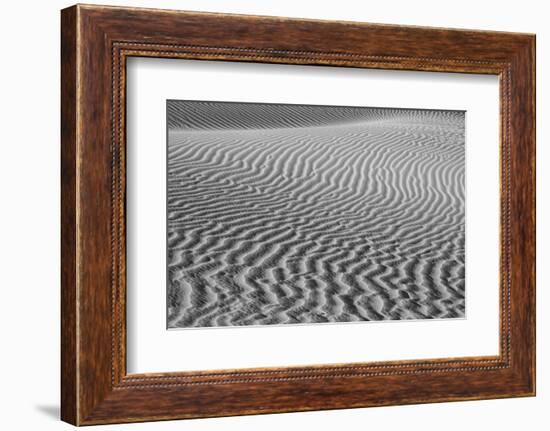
[275,215]
[305,214]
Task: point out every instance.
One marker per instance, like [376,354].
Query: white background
[29,228]
[151,348]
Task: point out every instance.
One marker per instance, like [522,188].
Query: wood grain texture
[96,41]
[68,218]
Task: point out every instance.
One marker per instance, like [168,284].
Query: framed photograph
[265,214]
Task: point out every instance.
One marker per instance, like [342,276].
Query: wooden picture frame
[95,43]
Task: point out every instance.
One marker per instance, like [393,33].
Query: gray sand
[302,214]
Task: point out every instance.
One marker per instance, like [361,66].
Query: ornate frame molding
[96,41]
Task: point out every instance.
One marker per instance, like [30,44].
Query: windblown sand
[281,214]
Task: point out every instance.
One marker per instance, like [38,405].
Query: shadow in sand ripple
[281,214]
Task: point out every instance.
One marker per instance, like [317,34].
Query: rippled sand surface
[282,214]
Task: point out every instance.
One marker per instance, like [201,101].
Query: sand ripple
[301,214]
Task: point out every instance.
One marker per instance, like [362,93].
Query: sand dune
[300,214]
